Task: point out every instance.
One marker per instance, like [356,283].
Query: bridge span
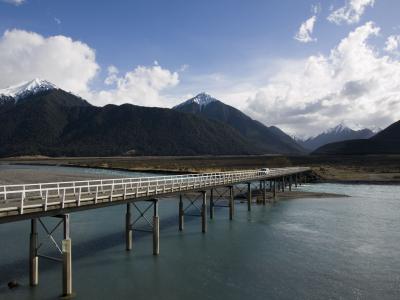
[59,199]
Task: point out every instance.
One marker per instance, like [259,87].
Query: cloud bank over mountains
[72,66]
[354,82]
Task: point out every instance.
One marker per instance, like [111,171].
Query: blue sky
[230,49]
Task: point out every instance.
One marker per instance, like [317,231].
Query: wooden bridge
[59,199]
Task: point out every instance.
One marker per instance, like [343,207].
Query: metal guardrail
[56,195]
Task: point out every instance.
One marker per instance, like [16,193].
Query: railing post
[156,229]
[33,258]
[204,212]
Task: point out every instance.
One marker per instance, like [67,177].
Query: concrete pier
[181,213]
[249,196]
[211,203]
[274,190]
[128,227]
[290,183]
[231,203]
[204,212]
[67,259]
[156,229]
[264,193]
[33,258]
[283,184]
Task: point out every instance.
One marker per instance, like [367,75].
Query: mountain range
[40,119]
[386,141]
[340,132]
[269,139]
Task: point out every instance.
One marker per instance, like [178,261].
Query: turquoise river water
[329,248]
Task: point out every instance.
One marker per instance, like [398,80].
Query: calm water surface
[333,248]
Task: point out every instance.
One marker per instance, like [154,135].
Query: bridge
[60,199]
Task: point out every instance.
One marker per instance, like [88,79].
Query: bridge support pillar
[295,180]
[249,196]
[181,213]
[231,203]
[290,183]
[33,258]
[67,258]
[264,195]
[274,190]
[283,184]
[128,227]
[156,229]
[204,212]
[211,203]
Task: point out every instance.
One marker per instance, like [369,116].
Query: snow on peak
[201,99]
[338,129]
[27,88]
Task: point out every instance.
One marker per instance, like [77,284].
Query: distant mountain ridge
[41,119]
[269,139]
[338,133]
[385,142]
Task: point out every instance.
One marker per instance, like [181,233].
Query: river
[321,248]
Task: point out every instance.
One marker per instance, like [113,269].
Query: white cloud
[15,2]
[141,86]
[351,12]
[354,83]
[306,30]
[392,44]
[26,55]
[72,66]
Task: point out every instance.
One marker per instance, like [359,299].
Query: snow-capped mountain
[267,139]
[338,133]
[201,99]
[22,90]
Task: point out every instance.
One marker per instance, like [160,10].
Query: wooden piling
[204,212]
[33,258]
[156,229]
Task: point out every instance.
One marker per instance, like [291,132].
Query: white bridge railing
[17,199]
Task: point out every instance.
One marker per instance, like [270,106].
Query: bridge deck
[19,202]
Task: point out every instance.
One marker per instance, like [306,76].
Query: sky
[304,66]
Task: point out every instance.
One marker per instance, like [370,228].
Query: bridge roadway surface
[27,201]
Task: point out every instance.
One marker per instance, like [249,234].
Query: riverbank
[379,169]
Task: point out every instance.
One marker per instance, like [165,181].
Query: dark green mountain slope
[270,139]
[58,123]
